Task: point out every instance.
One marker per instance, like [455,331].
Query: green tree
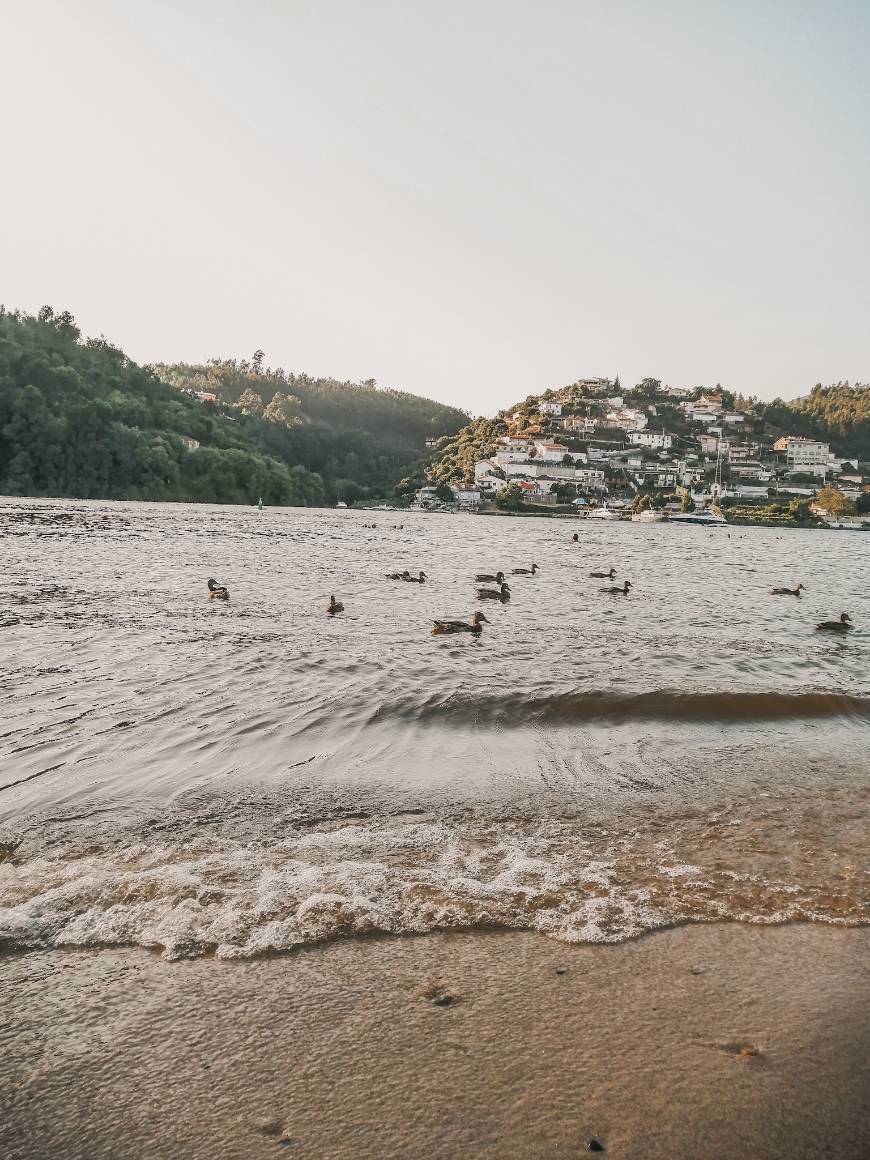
[443,492]
[832,501]
[510,498]
[687,504]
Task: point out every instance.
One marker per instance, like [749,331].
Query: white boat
[603,513]
[648,517]
[711,516]
[341,504]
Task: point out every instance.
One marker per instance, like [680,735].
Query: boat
[603,513]
[712,516]
[650,516]
[341,504]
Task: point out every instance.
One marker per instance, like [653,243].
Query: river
[242,777]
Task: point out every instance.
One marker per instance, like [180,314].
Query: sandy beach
[709,1040]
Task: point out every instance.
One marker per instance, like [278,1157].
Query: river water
[245,777]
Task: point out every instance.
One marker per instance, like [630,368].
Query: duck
[334,606]
[445,627]
[844,624]
[787,591]
[503,594]
[603,575]
[623,591]
[217,591]
[485,578]
[524,571]
[421,579]
[575,539]
[399,575]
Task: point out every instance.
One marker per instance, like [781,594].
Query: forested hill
[361,439]
[78,418]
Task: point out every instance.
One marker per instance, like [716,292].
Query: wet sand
[702,1041]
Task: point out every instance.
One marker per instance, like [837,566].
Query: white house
[206,396]
[617,402]
[465,494]
[485,477]
[582,424]
[515,442]
[733,417]
[503,457]
[807,453]
[550,452]
[550,408]
[657,439]
[590,477]
[708,443]
[190,444]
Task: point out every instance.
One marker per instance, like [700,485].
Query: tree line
[79,418]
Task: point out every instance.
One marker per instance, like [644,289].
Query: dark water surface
[251,776]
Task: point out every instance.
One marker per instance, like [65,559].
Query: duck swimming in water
[334,606]
[603,575]
[503,593]
[217,591]
[787,591]
[844,624]
[524,571]
[421,579]
[485,578]
[399,575]
[445,627]
[623,591]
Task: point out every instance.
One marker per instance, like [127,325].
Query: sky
[473,200]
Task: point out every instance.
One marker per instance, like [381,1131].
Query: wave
[514,710]
[210,896]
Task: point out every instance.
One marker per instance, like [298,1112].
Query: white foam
[311,886]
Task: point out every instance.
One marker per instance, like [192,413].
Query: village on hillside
[590,448]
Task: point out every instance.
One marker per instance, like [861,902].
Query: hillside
[653,444]
[361,440]
[78,418]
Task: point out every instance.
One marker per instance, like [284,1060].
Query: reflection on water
[256,774]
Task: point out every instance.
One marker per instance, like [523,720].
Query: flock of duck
[502,593]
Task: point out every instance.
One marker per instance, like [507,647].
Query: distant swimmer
[575,539]
[623,591]
[787,591]
[603,575]
[844,624]
[334,606]
[217,591]
[524,571]
[445,627]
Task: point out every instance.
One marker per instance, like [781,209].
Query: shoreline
[719,1040]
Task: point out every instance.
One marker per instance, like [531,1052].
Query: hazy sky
[471,199]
